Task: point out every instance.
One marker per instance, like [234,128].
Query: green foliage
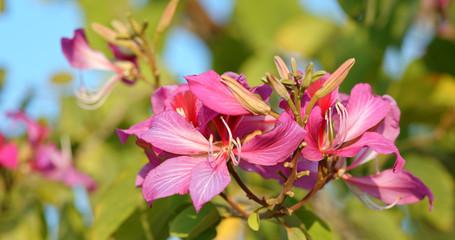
[191,225]
[254,221]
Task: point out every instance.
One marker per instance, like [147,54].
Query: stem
[274,114]
[233,205]
[313,191]
[248,192]
[291,180]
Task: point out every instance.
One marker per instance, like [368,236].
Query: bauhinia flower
[50,161]
[389,187]
[81,56]
[202,170]
[355,129]
[56,165]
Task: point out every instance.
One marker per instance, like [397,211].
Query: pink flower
[389,187]
[202,169]
[8,154]
[81,56]
[215,95]
[355,128]
[57,165]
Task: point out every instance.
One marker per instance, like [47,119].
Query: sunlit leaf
[254,221]
[116,205]
[295,233]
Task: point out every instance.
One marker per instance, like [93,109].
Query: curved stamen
[366,199]
[342,128]
[92,101]
[231,144]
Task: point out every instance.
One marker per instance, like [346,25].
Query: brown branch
[235,206]
[248,192]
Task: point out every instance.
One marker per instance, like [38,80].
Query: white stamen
[231,144]
[94,100]
[181,112]
[366,199]
[342,128]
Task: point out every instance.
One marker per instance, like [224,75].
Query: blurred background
[405,49]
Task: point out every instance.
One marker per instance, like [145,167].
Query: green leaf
[314,225]
[295,233]
[116,205]
[189,224]
[254,221]
[152,223]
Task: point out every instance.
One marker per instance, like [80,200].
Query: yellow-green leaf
[254,221]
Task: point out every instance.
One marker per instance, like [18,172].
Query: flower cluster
[44,156]
[202,130]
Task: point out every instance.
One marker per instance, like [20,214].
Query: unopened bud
[281,67]
[335,79]
[134,25]
[245,97]
[295,71]
[167,16]
[119,26]
[308,76]
[317,75]
[277,86]
[303,173]
[105,32]
[331,84]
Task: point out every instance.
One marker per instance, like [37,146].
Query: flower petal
[365,110]
[214,94]
[169,178]
[377,143]
[275,146]
[161,98]
[389,187]
[136,129]
[140,177]
[170,132]
[207,181]
[81,56]
[8,156]
[250,124]
[311,151]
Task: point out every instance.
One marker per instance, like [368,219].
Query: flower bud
[335,79]
[167,16]
[277,86]
[308,76]
[281,67]
[247,99]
